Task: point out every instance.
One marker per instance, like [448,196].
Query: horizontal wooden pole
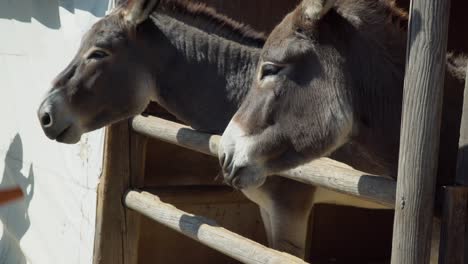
[205,231]
[323,172]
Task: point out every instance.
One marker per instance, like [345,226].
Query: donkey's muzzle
[239,169]
[55,119]
[45,117]
[50,123]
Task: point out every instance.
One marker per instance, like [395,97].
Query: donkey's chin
[246,178]
[70,135]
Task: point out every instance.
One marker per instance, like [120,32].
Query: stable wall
[55,222]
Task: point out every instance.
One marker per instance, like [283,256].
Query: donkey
[330,83]
[195,63]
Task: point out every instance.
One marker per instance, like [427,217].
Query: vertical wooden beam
[452,244]
[454,233]
[110,216]
[419,143]
[118,228]
[462,162]
[138,145]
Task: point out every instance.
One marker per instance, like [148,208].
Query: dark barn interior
[338,234]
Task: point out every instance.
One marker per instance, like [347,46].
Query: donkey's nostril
[46,120]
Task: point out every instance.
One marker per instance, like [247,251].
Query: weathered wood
[462,162]
[175,133]
[419,143]
[138,145]
[452,242]
[324,172]
[205,231]
[454,233]
[183,195]
[110,233]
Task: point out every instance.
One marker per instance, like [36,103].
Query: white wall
[56,220]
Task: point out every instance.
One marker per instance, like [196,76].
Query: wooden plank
[462,162]
[452,242]
[138,145]
[205,231]
[422,107]
[324,172]
[182,195]
[110,216]
[262,15]
[454,233]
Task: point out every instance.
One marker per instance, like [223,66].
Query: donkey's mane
[371,13]
[209,20]
[383,28]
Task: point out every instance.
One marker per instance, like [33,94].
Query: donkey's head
[105,82]
[302,104]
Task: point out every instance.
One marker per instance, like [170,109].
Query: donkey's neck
[375,54]
[201,76]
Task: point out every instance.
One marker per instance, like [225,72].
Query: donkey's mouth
[69,136]
[244,177]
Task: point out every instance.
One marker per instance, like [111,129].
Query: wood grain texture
[419,143]
[110,233]
[452,238]
[262,15]
[324,172]
[462,162]
[137,157]
[454,233]
[205,231]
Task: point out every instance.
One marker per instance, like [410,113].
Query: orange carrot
[10,195]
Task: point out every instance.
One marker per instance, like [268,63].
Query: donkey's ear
[137,11]
[314,10]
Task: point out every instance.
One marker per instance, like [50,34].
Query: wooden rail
[324,172]
[205,231]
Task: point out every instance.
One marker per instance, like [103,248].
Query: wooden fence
[413,194]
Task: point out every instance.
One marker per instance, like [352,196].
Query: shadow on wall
[47,11]
[14,216]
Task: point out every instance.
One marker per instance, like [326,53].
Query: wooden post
[137,157]
[454,233]
[462,162]
[452,236]
[419,143]
[118,228]
[110,234]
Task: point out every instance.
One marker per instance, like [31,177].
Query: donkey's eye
[97,54]
[270,69]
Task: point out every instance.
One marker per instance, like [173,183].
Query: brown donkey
[194,62]
[329,83]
